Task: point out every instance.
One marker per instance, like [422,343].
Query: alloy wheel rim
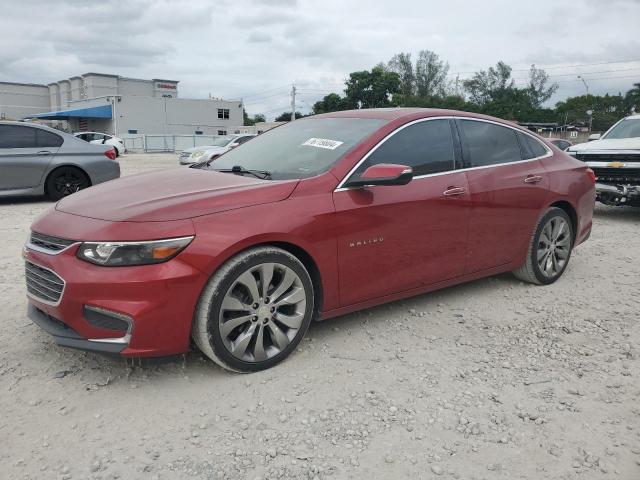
[68,183]
[262,312]
[554,246]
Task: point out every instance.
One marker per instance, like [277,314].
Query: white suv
[103,139]
[615,159]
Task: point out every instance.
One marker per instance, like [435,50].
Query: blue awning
[103,111]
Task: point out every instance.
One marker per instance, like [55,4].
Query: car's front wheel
[254,310]
[549,249]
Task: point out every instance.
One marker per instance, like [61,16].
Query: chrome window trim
[342,188]
[42,300]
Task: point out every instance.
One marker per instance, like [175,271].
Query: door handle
[454,191]
[533,179]
[44,152]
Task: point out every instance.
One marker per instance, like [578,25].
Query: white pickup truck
[615,159]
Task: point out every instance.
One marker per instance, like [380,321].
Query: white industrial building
[121,106]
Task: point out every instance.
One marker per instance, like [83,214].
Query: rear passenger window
[48,139]
[426,146]
[490,144]
[17,136]
[531,148]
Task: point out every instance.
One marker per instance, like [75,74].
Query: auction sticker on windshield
[323,143]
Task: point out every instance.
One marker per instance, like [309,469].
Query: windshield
[221,142]
[300,149]
[629,128]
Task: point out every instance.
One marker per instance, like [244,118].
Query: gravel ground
[494,379]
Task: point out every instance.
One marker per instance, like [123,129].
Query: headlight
[197,154]
[120,254]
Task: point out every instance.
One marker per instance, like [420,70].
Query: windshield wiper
[238,170]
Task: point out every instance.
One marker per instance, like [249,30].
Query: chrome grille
[43,284]
[47,242]
[623,175]
[608,157]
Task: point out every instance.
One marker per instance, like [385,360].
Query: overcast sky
[255,49]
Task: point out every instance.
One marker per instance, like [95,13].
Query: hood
[608,144]
[173,194]
[206,148]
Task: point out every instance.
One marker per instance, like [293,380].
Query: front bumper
[153,303]
[66,336]
[617,194]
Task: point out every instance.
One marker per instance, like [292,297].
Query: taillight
[592,175]
[110,154]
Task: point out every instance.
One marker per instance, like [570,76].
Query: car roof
[99,133]
[393,114]
[31,124]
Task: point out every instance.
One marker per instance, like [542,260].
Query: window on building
[427,147]
[490,144]
[198,132]
[132,131]
[223,113]
[222,132]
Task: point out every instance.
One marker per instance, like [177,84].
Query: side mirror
[384,174]
[594,136]
[234,145]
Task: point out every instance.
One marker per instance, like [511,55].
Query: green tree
[401,64]
[632,99]
[286,116]
[330,103]
[371,89]
[607,110]
[248,121]
[538,90]
[430,75]
[488,85]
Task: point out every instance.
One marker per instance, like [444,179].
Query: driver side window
[426,146]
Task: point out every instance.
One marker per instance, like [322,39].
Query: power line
[553,67]
[260,93]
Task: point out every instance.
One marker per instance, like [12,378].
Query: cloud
[237,49]
[259,37]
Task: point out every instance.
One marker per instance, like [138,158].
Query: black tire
[117,151]
[64,181]
[531,270]
[208,318]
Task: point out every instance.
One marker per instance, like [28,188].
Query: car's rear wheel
[64,181]
[549,249]
[254,310]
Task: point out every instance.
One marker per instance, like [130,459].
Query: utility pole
[293,102]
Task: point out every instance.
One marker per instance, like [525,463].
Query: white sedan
[218,147]
[103,139]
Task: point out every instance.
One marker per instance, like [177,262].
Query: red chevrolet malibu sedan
[320,217]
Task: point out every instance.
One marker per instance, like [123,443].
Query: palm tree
[632,98]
